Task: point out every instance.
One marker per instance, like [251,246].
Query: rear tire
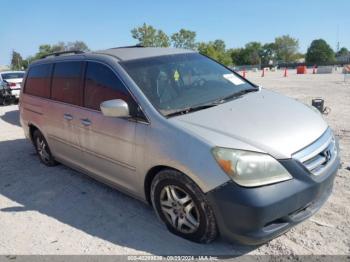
[42,149]
[182,206]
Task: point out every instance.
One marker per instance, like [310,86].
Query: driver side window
[102,84]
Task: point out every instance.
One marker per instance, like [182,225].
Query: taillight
[12,84]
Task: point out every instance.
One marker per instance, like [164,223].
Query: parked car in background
[14,80]
[213,153]
[6,96]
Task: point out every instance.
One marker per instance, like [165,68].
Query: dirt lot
[60,211]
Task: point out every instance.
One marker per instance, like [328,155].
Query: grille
[317,156]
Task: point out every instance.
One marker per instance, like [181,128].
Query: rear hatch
[14,84]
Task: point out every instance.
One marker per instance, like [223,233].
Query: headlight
[250,169]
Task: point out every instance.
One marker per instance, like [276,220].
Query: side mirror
[115,108]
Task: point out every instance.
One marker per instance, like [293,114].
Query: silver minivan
[213,153]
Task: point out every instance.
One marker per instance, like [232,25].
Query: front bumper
[255,215]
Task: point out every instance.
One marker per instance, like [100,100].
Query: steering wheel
[199,82]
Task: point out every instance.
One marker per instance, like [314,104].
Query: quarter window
[101,84]
[38,81]
[66,86]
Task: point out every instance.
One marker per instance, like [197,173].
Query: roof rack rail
[129,46]
[63,53]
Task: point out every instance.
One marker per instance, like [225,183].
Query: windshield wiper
[211,104]
[190,109]
[237,94]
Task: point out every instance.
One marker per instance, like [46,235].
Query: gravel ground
[59,211]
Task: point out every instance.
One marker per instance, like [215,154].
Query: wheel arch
[152,172]
[32,128]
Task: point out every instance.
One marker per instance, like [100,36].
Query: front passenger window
[102,84]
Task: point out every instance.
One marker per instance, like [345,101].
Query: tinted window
[66,82]
[14,75]
[38,81]
[102,84]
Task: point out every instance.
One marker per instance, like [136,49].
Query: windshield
[7,76]
[183,81]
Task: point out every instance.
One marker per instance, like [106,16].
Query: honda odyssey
[213,153]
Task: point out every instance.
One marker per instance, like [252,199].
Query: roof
[131,53]
[119,53]
[9,72]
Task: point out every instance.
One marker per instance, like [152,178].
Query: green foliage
[148,36]
[249,55]
[268,53]
[184,39]
[17,62]
[77,46]
[342,52]
[286,48]
[299,56]
[216,50]
[59,47]
[319,52]
[234,53]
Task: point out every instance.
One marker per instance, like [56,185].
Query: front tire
[182,206]
[42,149]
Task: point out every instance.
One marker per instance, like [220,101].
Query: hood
[262,121]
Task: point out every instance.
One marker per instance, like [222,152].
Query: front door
[108,143]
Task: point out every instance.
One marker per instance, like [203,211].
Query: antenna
[338,44]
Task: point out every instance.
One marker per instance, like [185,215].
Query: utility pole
[338,44]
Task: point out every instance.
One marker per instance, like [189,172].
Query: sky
[26,24]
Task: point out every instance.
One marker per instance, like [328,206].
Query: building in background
[344,59]
[4,68]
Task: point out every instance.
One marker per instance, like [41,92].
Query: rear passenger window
[101,84]
[38,81]
[66,86]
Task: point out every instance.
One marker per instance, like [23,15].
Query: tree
[77,46]
[219,45]
[319,52]
[162,40]
[184,39]
[16,61]
[148,36]
[286,48]
[216,50]
[209,50]
[46,49]
[253,50]
[249,55]
[342,52]
[268,53]
[59,47]
[234,53]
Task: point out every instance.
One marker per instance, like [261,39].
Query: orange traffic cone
[285,72]
[244,72]
[263,72]
[314,70]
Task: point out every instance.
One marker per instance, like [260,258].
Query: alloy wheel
[179,209]
[42,150]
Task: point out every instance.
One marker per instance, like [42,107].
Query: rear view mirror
[115,108]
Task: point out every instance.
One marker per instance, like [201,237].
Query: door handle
[68,117]
[85,121]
